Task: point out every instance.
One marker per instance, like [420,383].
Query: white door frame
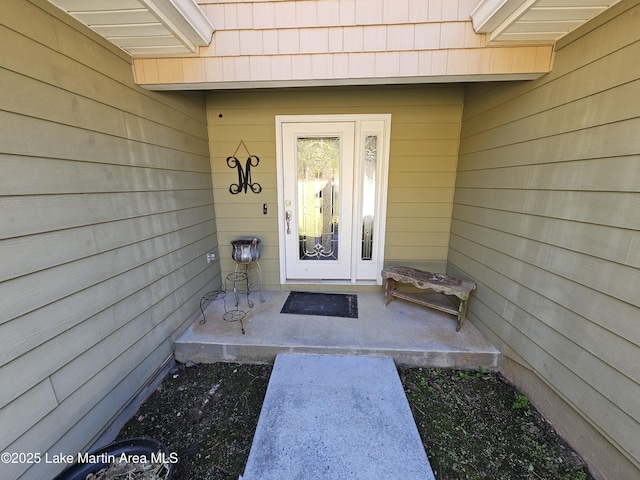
[364,272]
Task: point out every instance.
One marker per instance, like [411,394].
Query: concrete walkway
[334,418]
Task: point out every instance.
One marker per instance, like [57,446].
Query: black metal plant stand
[209,297]
[233,283]
[235,280]
[245,252]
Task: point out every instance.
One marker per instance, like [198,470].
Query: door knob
[287,217]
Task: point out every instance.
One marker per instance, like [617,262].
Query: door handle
[287,217]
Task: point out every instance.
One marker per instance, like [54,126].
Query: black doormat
[324,304]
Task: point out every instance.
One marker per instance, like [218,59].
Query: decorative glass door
[318,171]
[332,185]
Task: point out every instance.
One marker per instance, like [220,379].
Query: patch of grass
[475,425]
[521,402]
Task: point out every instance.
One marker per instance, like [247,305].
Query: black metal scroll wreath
[244,175]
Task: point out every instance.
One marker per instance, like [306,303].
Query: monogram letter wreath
[244,175]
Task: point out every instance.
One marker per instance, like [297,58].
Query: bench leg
[462,313]
[391,285]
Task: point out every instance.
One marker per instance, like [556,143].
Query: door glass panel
[318,197]
[369,195]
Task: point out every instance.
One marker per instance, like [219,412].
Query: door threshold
[332,286]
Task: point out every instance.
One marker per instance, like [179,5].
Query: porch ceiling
[275,43]
[144,28]
[533,21]
[150,28]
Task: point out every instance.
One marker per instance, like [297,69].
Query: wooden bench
[423,280]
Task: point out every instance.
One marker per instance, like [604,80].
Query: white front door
[318,181]
[330,198]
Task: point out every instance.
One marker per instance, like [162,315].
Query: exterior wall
[546,219]
[266,43]
[106,214]
[425,129]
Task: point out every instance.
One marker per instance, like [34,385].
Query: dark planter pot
[130,447]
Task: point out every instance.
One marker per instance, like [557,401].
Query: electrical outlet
[211,257]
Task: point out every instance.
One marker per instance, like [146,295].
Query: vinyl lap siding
[545,218]
[106,212]
[422,172]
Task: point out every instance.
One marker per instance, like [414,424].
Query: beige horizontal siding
[107,212]
[320,42]
[424,141]
[545,218]
[284,14]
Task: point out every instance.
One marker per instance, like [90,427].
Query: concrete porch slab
[410,334]
[336,417]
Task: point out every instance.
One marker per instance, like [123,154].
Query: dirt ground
[474,425]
